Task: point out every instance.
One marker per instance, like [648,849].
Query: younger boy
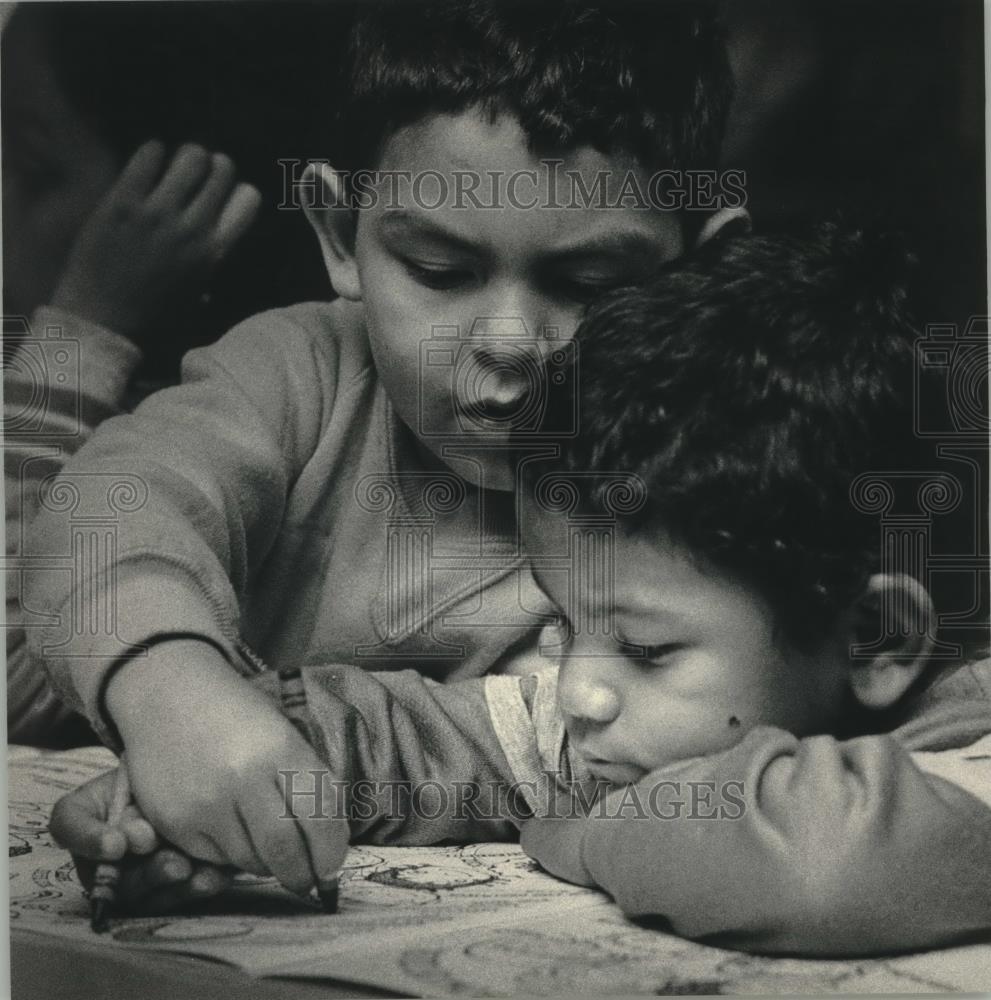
[790,784]
[333,482]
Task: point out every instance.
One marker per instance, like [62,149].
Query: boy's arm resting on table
[840,848]
[44,425]
[206,467]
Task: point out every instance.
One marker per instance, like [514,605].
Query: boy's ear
[902,607]
[325,204]
[738,217]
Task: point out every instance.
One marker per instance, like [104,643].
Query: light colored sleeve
[969,768]
[67,376]
[781,845]
[204,470]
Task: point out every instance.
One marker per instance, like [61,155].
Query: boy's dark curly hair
[649,77]
[748,386]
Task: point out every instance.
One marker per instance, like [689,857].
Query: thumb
[79,825]
[556,843]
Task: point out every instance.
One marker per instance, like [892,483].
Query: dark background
[875,106]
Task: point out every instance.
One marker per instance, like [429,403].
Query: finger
[164,869]
[230,846]
[209,880]
[236,219]
[278,841]
[204,885]
[140,834]
[187,171]
[325,830]
[142,170]
[555,843]
[326,837]
[212,197]
[78,822]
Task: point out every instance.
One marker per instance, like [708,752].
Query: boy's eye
[438,277]
[587,288]
[564,628]
[660,651]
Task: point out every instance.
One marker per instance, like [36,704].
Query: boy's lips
[487,417]
[615,772]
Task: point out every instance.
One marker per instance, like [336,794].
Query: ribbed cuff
[107,360]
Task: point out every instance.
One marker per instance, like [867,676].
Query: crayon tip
[99,919]
[327,891]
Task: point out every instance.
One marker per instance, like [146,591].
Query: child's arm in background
[55,424]
[837,848]
[154,238]
[156,234]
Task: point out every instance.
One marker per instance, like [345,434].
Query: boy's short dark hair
[649,77]
[748,385]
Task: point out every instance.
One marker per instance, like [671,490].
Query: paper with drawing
[447,921]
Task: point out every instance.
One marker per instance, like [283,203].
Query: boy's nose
[498,378]
[583,694]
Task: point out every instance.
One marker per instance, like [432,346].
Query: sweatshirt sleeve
[417,762]
[67,377]
[193,486]
[781,845]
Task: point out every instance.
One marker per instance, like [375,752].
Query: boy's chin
[481,467]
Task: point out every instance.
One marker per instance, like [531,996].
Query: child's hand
[204,753]
[154,238]
[155,878]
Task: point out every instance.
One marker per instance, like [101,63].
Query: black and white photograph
[496,498]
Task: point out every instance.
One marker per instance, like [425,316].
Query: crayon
[293,696]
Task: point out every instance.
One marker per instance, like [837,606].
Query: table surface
[42,967]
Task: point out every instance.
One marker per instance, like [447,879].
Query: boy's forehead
[476,139]
[456,172]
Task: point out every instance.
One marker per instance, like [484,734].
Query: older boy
[787,790]
[316,464]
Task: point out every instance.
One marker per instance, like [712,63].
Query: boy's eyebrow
[615,242]
[645,613]
[619,243]
[408,222]
[647,616]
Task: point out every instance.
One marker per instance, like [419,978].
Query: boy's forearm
[136,691]
[420,760]
[835,849]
